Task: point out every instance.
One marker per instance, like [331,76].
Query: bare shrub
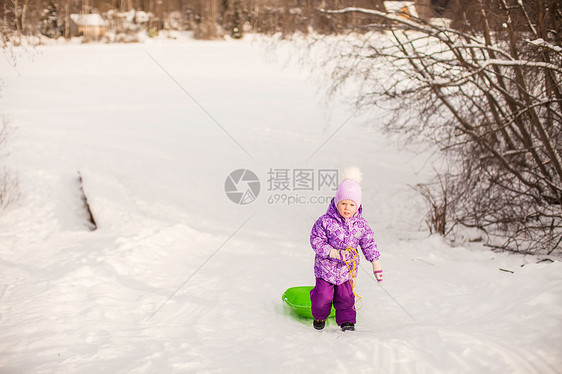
[436,197]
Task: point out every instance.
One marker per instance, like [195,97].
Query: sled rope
[388,293]
[353,275]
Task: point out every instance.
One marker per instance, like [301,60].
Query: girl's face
[347,208]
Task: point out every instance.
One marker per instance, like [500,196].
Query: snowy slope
[179,279]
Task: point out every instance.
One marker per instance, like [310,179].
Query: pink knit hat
[349,188]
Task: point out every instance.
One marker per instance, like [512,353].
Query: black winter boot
[347,326]
[319,324]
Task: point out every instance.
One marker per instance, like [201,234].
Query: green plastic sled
[298,298]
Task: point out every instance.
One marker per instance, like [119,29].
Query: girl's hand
[340,254]
[377,270]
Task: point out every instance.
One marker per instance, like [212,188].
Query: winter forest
[209,19]
[162,163]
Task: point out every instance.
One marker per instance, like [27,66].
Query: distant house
[91,26]
[440,12]
[404,9]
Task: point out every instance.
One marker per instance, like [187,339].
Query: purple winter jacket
[333,231]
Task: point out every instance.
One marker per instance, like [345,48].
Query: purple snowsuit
[332,276]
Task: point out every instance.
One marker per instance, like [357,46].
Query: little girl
[342,227]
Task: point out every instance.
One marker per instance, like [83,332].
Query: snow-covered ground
[179,279]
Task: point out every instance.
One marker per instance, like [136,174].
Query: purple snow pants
[322,295]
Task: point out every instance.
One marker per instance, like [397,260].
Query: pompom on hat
[349,188]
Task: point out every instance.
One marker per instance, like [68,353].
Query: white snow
[178,279]
[543,43]
[88,20]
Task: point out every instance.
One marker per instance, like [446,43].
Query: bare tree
[489,94]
